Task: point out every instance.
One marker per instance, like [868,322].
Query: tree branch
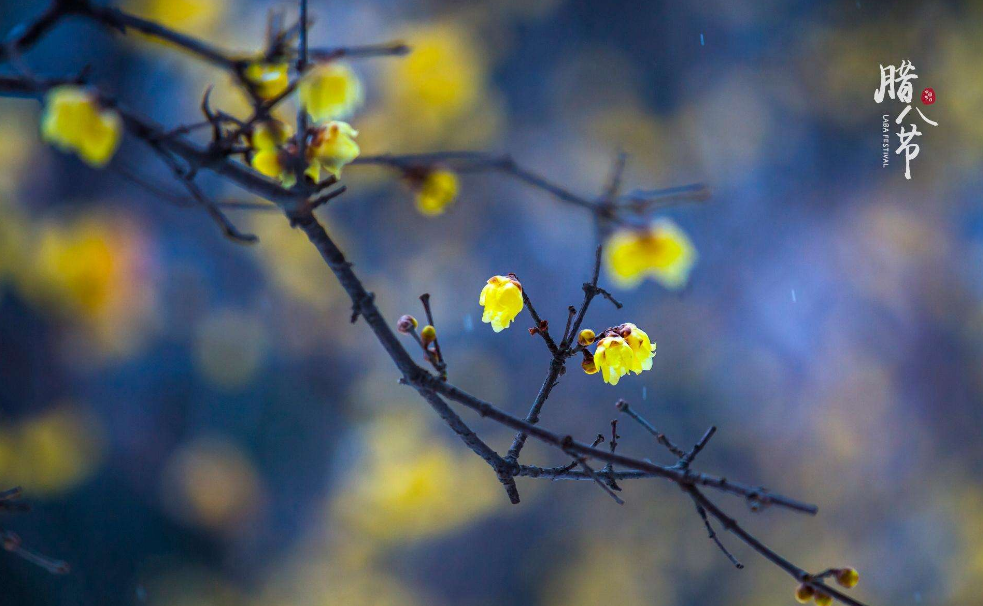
[298,207]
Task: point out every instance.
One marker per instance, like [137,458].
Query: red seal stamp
[928,96]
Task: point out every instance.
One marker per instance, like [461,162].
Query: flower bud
[847,577]
[823,599]
[588,364]
[406,324]
[428,335]
[804,593]
[586,337]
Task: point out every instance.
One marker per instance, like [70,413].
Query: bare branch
[298,203]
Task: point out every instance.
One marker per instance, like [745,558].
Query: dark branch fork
[186,158]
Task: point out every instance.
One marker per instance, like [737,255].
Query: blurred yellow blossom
[291,264]
[14,239]
[333,146]
[268,79]
[51,453]
[602,572]
[18,139]
[197,17]
[437,191]
[437,96]
[964,566]
[412,485]
[229,348]
[614,358]
[338,573]
[330,91]
[210,482]
[79,264]
[502,298]
[93,270]
[663,252]
[74,121]
[443,75]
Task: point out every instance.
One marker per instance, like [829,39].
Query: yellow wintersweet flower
[271,163]
[438,190]
[268,79]
[270,134]
[270,158]
[663,252]
[73,121]
[614,357]
[641,346]
[268,163]
[330,92]
[502,298]
[333,146]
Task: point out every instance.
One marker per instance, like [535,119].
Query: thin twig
[660,437]
[685,461]
[713,536]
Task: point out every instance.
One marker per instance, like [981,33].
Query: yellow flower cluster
[74,121]
[436,192]
[327,93]
[330,148]
[663,252]
[502,299]
[620,350]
